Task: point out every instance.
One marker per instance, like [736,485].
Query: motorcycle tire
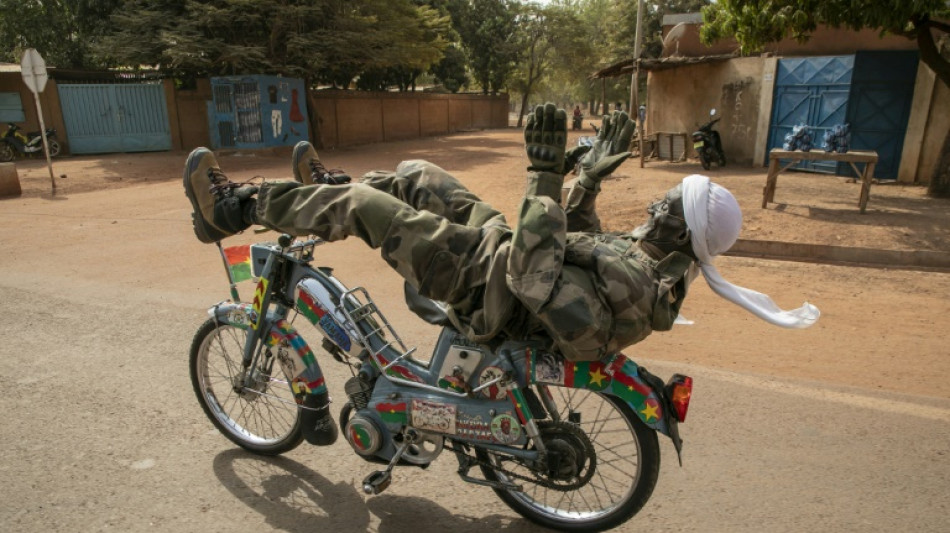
[704,159]
[264,419]
[722,159]
[623,446]
[7,152]
[54,147]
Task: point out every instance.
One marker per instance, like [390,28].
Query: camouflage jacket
[595,293]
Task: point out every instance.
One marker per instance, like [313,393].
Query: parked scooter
[707,143]
[14,142]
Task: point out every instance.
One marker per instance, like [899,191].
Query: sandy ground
[104,284]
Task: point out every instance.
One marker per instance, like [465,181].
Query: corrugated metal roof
[625,67]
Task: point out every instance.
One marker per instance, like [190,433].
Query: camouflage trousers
[439,236]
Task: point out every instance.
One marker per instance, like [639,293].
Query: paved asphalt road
[101,431]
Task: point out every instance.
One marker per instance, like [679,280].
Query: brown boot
[220,207]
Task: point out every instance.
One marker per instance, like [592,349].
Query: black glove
[545,138]
[609,149]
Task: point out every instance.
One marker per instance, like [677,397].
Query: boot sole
[205,232]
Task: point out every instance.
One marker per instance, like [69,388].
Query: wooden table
[869,159]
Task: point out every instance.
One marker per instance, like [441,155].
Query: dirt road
[843,426]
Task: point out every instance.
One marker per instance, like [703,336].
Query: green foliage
[332,41]
[60,30]
[488,32]
[755,23]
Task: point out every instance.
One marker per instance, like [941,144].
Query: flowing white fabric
[714,220]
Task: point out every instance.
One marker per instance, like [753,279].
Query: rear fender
[298,361]
[615,375]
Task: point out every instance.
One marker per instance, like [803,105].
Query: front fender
[299,363]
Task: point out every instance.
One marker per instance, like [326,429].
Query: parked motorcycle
[568,445]
[707,143]
[14,142]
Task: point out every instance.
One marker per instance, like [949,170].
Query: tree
[60,30]
[545,33]
[320,40]
[755,23]
[487,29]
[450,72]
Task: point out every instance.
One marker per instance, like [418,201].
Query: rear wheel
[259,414]
[703,158]
[608,465]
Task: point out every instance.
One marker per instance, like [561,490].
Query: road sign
[34,70]
[34,76]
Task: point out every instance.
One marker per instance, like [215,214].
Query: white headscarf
[714,220]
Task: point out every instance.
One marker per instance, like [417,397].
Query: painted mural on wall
[257,112]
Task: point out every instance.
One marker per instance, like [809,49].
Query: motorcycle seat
[431,311]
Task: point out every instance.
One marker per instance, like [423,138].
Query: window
[11,108]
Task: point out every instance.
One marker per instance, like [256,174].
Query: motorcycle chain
[538,480]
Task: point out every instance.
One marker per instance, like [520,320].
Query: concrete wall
[928,126]
[347,118]
[678,100]
[190,125]
[49,101]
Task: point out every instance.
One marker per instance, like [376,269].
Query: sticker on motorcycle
[505,429]
[496,391]
[433,416]
[473,427]
[549,368]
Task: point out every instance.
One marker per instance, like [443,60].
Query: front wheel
[256,413]
[7,152]
[609,463]
[54,148]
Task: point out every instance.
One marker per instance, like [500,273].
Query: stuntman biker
[556,273]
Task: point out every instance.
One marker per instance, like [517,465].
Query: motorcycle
[577,122]
[708,145]
[569,445]
[14,141]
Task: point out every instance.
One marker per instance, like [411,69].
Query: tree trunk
[940,182]
[524,104]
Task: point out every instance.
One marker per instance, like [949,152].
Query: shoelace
[220,182]
[317,168]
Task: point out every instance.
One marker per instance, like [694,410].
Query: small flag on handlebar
[239,262]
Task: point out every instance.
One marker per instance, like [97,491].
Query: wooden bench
[853,158]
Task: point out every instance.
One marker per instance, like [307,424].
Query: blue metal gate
[102,118]
[812,91]
[882,90]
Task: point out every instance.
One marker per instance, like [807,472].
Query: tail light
[678,390]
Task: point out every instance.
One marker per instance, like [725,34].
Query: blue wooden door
[813,91]
[103,118]
[882,90]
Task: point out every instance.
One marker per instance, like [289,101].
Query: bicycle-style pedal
[377,482]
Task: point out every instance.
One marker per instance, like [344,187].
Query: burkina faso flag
[392,412]
[239,262]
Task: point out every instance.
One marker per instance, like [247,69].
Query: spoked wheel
[54,147]
[262,417]
[606,466]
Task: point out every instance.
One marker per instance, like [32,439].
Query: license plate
[697,145]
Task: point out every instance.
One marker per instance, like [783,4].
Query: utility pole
[634,108]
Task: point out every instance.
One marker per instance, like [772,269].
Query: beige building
[839,75]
